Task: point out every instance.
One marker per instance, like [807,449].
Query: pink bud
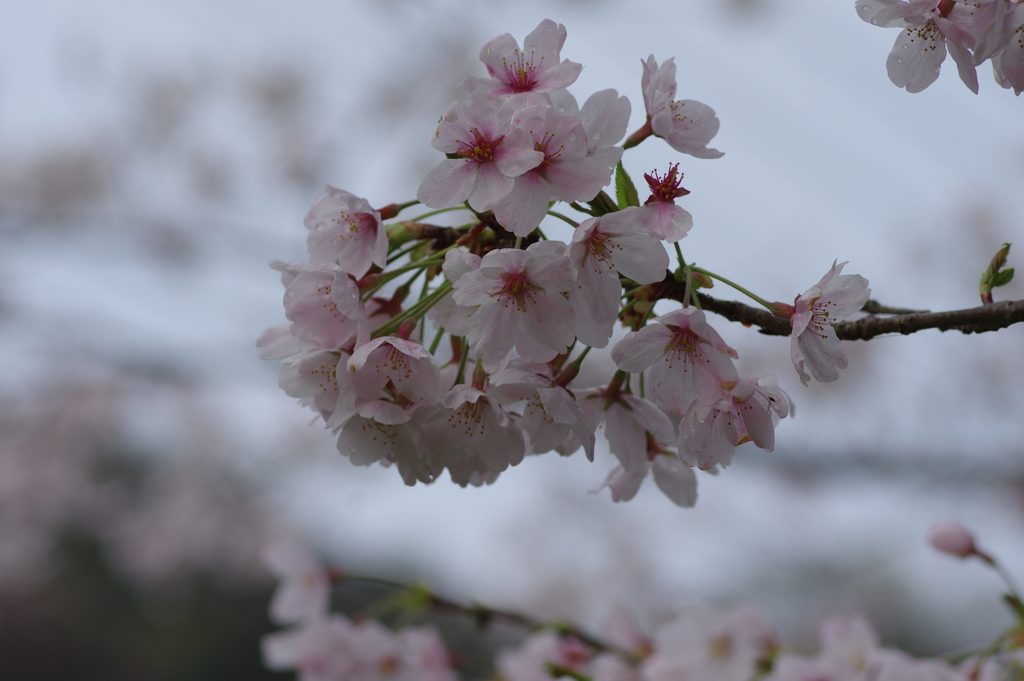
[952,538]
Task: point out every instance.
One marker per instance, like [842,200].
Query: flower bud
[952,538]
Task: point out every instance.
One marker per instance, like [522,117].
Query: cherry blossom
[814,341]
[693,362]
[323,304]
[602,247]
[479,130]
[528,662]
[337,648]
[687,125]
[550,412]
[701,644]
[344,230]
[660,216]
[567,172]
[1008,63]
[850,652]
[930,27]
[304,590]
[398,440]
[313,377]
[747,412]
[523,76]
[519,293]
[473,436]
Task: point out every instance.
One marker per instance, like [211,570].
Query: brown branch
[973,320]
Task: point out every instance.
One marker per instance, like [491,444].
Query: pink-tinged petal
[641,258]
[515,155]
[279,341]
[561,76]
[884,13]
[588,330]
[600,294]
[528,348]
[579,179]
[675,480]
[964,65]
[707,437]
[916,57]
[1008,64]
[550,322]
[494,331]
[757,423]
[665,221]
[448,184]
[491,186]
[641,349]
[565,409]
[822,354]
[523,209]
[605,118]
[694,124]
[546,40]
[624,484]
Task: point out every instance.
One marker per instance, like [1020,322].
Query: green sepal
[625,190]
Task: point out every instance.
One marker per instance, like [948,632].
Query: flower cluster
[973,31]
[325,646]
[524,310]
[697,643]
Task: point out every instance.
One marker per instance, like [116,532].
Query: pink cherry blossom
[685,360]
[567,172]
[473,436]
[323,304]
[523,76]
[1008,63]
[687,125]
[814,341]
[550,412]
[404,366]
[521,303]
[395,440]
[701,644]
[660,216]
[304,590]
[601,248]
[747,412]
[346,231]
[930,27]
[528,661]
[313,377]
[479,130]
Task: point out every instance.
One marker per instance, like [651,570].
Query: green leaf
[1003,278]
[625,190]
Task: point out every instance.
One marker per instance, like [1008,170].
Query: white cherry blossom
[815,346]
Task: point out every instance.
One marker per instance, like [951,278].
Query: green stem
[415,311]
[437,340]
[564,218]
[419,218]
[460,377]
[734,285]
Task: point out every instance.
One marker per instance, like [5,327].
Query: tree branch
[972,320]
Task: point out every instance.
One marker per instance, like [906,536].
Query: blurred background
[155,155]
